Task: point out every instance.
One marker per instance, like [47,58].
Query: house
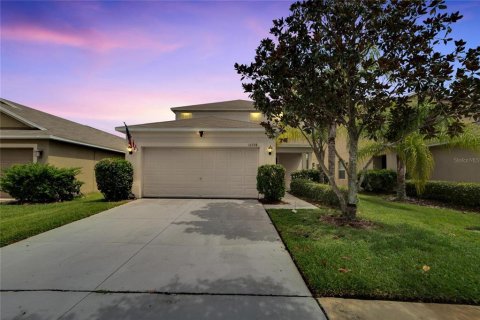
[29,135]
[210,150]
[450,164]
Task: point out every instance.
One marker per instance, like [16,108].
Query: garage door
[11,156]
[200,172]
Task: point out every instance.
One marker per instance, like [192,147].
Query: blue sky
[101,63]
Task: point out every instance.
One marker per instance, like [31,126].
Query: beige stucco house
[210,150]
[214,149]
[450,164]
[29,135]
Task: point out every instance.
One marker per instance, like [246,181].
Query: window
[380,162]
[255,116]
[185,115]
[341,170]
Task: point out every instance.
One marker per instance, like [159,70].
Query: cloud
[87,39]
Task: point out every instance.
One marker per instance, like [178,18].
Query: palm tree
[414,155]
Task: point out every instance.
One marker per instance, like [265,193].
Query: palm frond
[371,149]
[416,154]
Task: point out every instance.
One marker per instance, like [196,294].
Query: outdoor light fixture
[269,149]
[38,153]
[130,149]
[200,133]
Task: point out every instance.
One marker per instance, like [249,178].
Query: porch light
[38,153]
[200,133]
[270,149]
[130,149]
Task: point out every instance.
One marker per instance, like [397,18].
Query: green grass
[386,261]
[18,222]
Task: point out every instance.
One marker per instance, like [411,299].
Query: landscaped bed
[18,222]
[408,252]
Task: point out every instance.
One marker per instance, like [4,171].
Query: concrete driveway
[157,259]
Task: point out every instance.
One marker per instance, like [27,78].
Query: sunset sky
[102,63]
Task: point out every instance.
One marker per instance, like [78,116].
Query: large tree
[353,63]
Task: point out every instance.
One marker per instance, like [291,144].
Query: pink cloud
[108,107]
[86,39]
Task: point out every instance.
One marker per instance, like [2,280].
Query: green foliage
[271,181]
[380,181]
[114,178]
[19,221]
[315,191]
[386,261]
[38,183]
[459,193]
[314,175]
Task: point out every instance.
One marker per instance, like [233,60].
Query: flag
[131,143]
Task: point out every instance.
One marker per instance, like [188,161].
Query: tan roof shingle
[57,127]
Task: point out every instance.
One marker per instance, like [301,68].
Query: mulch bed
[436,204]
[340,221]
[265,201]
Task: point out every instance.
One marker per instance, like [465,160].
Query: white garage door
[200,172]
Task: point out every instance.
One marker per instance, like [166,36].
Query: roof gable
[193,124]
[232,105]
[57,128]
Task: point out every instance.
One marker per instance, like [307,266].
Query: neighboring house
[29,135]
[450,164]
[211,150]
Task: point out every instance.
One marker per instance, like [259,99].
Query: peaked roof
[52,127]
[233,105]
[221,124]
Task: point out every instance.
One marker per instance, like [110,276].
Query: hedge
[380,181]
[40,183]
[114,178]
[459,193]
[322,193]
[314,175]
[271,181]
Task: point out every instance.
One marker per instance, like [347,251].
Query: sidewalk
[352,309]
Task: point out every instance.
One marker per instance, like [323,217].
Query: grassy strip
[18,222]
[413,253]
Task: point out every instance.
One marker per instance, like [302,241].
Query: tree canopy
[356,64]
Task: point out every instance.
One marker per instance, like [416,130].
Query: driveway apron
[157,259]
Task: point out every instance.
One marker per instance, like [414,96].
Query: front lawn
[18,222]
[412,253]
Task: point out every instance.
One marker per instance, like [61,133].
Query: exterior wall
[193,140]
[233,115]
[450,164]
[455,165]
[39,144]
[69,155]
[9,123]
[291,162]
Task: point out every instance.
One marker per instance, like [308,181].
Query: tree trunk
[401,185]
[352,198]
[332,134]
[333,184]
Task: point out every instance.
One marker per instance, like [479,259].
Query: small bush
[315,191]
[314,175]
[459,193]
[380,181]
[271,181]
[39,183]
[114,178]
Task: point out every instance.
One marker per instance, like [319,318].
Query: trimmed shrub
[114,178]
[380,181]
[315,191]
[271,181]
[314,175]
[459,193]
[39,183]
